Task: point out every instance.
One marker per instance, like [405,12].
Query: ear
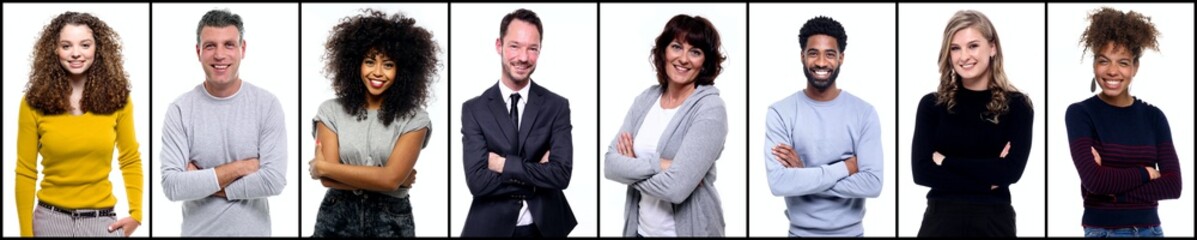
[499,46]
[841,58]
[242,48]
[993,50]
[197,50]
[1134,69]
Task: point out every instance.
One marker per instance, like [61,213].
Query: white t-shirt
[656,215]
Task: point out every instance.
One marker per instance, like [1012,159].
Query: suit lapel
[498,109]
[530,111]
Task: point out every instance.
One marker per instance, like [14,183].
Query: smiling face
[378,73]
[520,49]
[970,54]
[821,61]
[1114,67]
[76,48]
[220,51]
[683,62]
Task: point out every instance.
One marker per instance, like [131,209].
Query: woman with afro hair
[1121,146]
[369,137]
[76,109]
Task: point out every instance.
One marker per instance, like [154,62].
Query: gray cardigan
[689,183]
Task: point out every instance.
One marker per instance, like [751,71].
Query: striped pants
[50,223]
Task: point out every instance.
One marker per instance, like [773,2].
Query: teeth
[220,66]
[376,83]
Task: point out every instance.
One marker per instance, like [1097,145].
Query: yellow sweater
[76,156]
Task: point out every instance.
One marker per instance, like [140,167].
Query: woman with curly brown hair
[369,138]
[972,136]
[76,109]
[1121,146]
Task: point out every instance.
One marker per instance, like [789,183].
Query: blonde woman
[972,136]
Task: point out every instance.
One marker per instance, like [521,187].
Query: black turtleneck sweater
[972,144]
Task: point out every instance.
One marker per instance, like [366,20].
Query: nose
[376,71]
[1111,71]
[821,61]
[219,53]
[522,55]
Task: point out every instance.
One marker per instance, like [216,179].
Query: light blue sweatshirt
[822,199]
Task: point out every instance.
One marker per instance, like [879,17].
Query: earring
[1093,85]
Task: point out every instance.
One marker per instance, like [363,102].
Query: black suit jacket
[544,127]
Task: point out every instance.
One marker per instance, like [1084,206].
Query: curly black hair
[397,37]
[826,26]
[1132,30]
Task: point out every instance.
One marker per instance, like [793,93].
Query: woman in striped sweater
[1121,146]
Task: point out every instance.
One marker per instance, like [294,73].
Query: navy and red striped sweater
[1119,193]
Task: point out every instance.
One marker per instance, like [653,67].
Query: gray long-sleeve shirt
[212,131]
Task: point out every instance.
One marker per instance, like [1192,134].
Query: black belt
[85,213]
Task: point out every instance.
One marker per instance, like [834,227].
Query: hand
[1096,157]
[545,159]
[665,163]
[1005,151]
[411,179]
[495,163]
[625,145]
[851,163]
[220,194]
[316,165]
[1151,172]
[787,156]
[993,187]
[191,166]
[938,158]
[127,223]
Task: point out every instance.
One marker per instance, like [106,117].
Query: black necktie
[515,111]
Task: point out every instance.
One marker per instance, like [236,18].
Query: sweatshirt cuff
[215,181]
[837,170]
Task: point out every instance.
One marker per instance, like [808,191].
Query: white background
[776,71]
[627,34]
[920,34]
[1165,79]
[23,24]
[269,63]
[566,67]
[429,194]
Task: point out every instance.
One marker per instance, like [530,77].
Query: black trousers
[961,219]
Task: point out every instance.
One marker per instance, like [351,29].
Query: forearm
[134,182]
[231,171]
[629,170]
[864,184]
[181,185]
[364,177]
[793,182]
[334,184]
[24,192]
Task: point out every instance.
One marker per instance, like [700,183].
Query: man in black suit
[517,146]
